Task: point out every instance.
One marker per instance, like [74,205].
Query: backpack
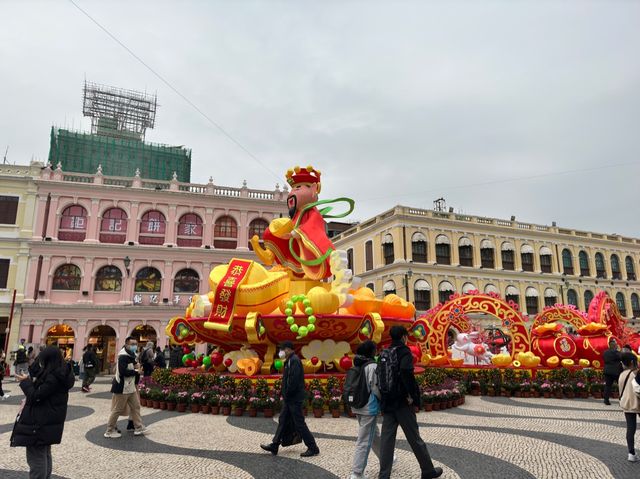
[387,371]
[356,388]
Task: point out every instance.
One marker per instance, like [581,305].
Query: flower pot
[584,394]
[215,409]
[163,404]
[268,412]
[435,406]
[238,411]
[195,408]
[156,404]
[449,403]
[205,409]
[491,393]
[181,407]
[536,394]
[305,411]
[475,392]
[615,395]
[335,413]
[597,394]
[171,406]
[517,394]
[428,407]
[546,394]
[559,395]
[350,413]
[226,410]
[317,412]
[253,412]
[143,402]
[570,394]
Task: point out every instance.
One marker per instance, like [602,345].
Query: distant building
[335,228]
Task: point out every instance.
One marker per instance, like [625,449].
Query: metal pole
[13,305]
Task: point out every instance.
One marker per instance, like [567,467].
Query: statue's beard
[292,203]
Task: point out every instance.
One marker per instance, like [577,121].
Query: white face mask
[282,355]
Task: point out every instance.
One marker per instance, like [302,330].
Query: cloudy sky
[526,108]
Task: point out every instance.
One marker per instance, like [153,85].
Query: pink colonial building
[114,256]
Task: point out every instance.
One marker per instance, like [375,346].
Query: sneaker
[112,434]
[141,432]
[633,458]
[356,476]
[310,452]
[6,396]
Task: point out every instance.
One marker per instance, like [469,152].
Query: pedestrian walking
[167,355]
[176,355]
[630,400]
[158,360]
[147,357]
[31,355]
[400,402]
[90,361]
[293,393]
[21,363]
[612,368]
[40,422]
[3,369]
[124,391]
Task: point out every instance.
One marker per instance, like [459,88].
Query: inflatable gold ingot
[567,363]
[309,367]
[395,307]
[323,301]
[584,363]
[456,361]
[249,366]
[553,361]
[501,360]
[364,302]
[281,227]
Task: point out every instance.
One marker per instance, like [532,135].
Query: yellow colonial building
[17,207]
[426,255]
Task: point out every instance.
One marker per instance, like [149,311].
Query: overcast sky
[525,108]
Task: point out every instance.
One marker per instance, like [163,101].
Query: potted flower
[182,399]
[214,402]
[268,405]
[334,404]
[581,390]
[144,394]
[252,405]
[596,389]
[239,403]
[427,399]
[525,388]
[317,403]
[568,390]
[205,407]
[475,388]
[557,390]
[172,399]
[546,389]
[196,399]
[156,397]
[225,404]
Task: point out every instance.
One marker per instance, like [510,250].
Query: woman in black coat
[41,421]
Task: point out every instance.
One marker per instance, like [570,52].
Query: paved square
[485,438]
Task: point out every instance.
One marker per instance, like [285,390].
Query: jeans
[89,376]
[608,383]
[406,418]
[368,437]
[293,410]
[39,460]
[632,423]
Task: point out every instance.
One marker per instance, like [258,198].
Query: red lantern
[479,350]
[216,359]
[228,362]
[346,362]
[315,360]
[186,350]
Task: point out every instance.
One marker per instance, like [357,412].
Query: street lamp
[127,262]
[407,277]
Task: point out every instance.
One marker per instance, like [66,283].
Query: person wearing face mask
[293,393]
[124,391]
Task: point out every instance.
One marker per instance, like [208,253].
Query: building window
[73,224]
[148,280]
[526,254]
[8,209]
[545,259]
[631,272]
[620,302]
[445,290]
[465,251]
[371,286]
[225,233]
[350,259]
[67,278]
[4,273]
[550,297]
[113,226]
[257,228]
[387,249]
[419,248]
[567,261]
[508,256]
[572,297]
[583,258]
[186,281]
[108,278]
[443,250]
[152,228]
[486,254]
[588,297]
[600,269]
[389,287]
[531,300]
[368,256]
[616,272]
[190,231]
[422,295]
[512,294]
[635,305]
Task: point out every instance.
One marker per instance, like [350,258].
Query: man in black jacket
[293,393]
[612,368]
[400,407]
[90,361]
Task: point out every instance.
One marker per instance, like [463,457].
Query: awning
[389,286]
[491,289]
[443,239]
[531,292]
[526,249]
[544,251]
[512,291]
[386,239]
[466,287]
[550,293]
[486,244]
[422,285]
[464,241]
[446,286]
[506,246]
[418,237]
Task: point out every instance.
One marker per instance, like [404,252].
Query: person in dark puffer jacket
[41,421]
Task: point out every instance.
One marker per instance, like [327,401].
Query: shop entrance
[104,339]
[63,336]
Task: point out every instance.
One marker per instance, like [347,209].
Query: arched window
[387,249]
[443,250]
[419,248]
[531,298]
[113,226]
[512,294]
[368,256]
[546,257]
[572,297]
[371,286]
[490,288]
[468,287]
[601,272]
[73,224]
[148,280]
[67,278]
[350,259]
[422,295]
[583,258]
[616,272]
[257,228]
[487,249]
[445,290]
[389,287]
[588,297]
[190,230]
[567,261]
[621,304]
[508,256]
[225,233]
[550,297]
[108,278]
[152,228]
[186,281]
[465,250]
[526,254]
[635,305]
[631,271]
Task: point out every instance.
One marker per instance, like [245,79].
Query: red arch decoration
[560,312]
[604,310]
